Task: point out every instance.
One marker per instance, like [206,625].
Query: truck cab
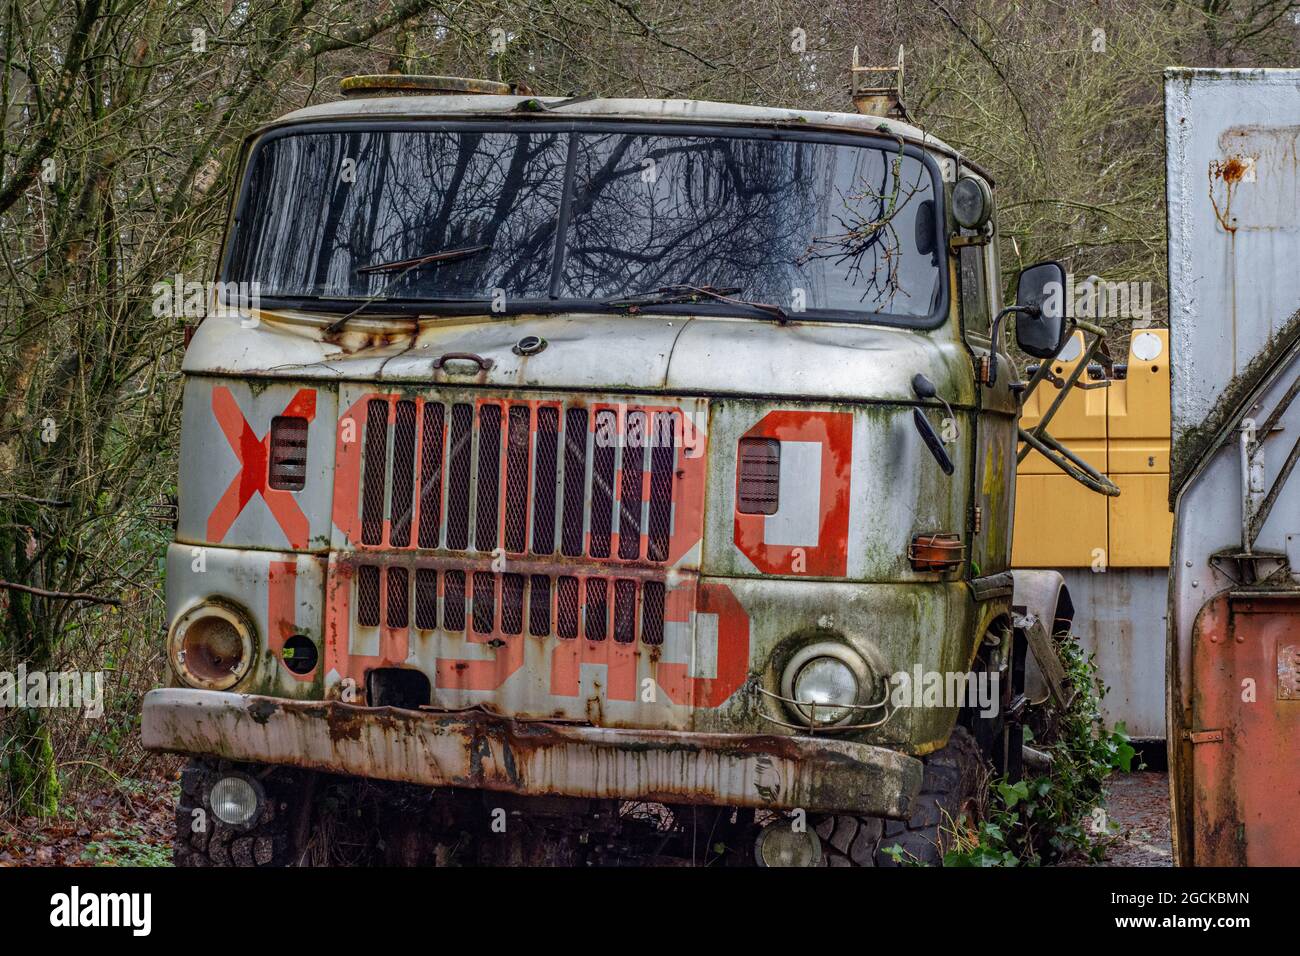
[599,451]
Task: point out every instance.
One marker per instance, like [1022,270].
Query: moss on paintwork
[1193,444]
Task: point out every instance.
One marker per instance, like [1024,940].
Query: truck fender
[1040,608]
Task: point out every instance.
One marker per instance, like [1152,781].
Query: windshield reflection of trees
[838,222]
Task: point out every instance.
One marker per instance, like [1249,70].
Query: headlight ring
[211,645]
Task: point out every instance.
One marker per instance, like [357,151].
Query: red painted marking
[829,557]
[733,647]
[394,643]
[254,455]
[508,656]
[347,471]
[619,661]
[281,610]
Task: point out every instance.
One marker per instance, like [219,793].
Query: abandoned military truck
[569,481]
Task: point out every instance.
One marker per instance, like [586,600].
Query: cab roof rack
[878,90]
[411,84]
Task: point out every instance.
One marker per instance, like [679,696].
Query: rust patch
[344,724]
[1230,172]
[262,710]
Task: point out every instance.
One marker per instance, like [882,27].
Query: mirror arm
[995,336]
[1039,431]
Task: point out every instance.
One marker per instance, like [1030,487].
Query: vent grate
[288,466]
[758,478]
[520,477]
[502,603]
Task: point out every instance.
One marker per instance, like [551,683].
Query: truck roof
[704,112]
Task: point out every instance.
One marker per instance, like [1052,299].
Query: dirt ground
[128,821]
[1138,803]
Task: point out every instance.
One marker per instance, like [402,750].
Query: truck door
[995,457]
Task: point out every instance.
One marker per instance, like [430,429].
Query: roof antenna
[878,90]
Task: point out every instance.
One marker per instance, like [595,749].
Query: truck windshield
[549,217]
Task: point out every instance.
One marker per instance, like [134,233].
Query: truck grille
[597,607]
[538,478]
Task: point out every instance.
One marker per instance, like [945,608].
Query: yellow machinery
[1113,551]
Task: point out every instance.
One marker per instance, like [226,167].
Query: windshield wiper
[675,294]
[436,257]
[402,267]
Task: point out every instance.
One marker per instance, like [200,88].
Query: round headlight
[827,683]
[233,800]
[211,646]
[972,203]
[778,845]
[831,685]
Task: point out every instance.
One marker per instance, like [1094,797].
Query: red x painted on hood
[254,453]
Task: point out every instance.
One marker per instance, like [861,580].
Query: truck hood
[677,354]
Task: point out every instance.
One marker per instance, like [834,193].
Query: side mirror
[1041,326]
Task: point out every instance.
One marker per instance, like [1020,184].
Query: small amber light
[936,552]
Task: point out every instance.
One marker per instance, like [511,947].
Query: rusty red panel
[1245,731]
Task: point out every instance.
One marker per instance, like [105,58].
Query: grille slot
[604,450]
[597,608]
[539,606]
[575,479]
[372,502]
[485,601]
[403,474]
[398,598]
[652,613]
[624,611]
[520,421]
[629,493]
[663,462]
[548,438]
[453,601]
[566,607]
[431,435]
[512,604]
[426,598]
[368,595]
[489,477]
[458,464]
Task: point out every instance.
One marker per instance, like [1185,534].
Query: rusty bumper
[484,751]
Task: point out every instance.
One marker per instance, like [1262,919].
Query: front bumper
[478,750]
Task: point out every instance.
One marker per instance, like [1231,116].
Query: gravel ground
[1139,804]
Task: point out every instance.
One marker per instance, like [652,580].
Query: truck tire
[950,789]
[203,840]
